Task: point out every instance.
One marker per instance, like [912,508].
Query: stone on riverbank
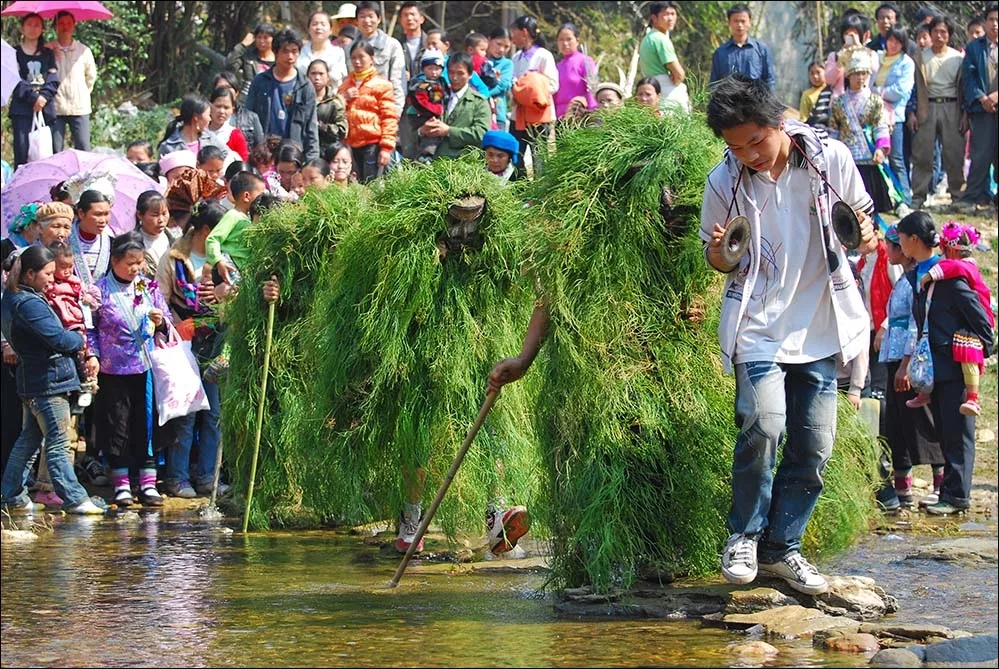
[792,622]
[852,643]
[965,551]
[754,649]
[895,657]
[967,651]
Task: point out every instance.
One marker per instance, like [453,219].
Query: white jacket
[77,76]
[834,159]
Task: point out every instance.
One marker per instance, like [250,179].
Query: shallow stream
[179,591]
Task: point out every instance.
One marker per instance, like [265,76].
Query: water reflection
[155,591]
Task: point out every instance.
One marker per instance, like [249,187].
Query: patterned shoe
[505,527]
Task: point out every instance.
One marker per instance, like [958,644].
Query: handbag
[176,378]
[39,139]
[921,362]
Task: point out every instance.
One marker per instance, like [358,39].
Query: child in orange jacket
[372,115]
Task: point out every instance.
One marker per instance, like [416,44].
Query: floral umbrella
[31,183]
[81,11]
[9,74]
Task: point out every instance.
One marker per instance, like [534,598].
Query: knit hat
[891,235]
[502,140]
[50,210]
[432,57]
[182,158]
[860,61]
[609,86]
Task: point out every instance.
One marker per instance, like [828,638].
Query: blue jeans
[209,435]
[45,420]
[79,128]
[777,402]
[896,160]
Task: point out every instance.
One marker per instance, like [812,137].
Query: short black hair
[473,38]
[285,37]
[656,8]
[738,9]
[991,7]
[141,144]
[244,182]
[263,204]
[937,20]
[898,32]
[887,6]
[210,152]
[127,242]
[460,58]
[368,4]
[650,81]
[350,31]
[854,21]
[264,27]
[737,99]
[408,4]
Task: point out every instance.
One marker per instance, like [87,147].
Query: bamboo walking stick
[260,414]
[429,515]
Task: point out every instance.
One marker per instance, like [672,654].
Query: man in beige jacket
[77,75]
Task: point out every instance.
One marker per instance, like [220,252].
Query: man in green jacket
[467,116]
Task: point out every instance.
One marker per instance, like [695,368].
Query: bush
[115,129]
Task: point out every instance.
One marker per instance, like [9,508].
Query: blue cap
[502,140]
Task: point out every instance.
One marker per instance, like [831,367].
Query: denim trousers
[79,127]
[209,435]
[45,420]
[896,160]
[774,403]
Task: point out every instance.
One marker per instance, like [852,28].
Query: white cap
[348,10]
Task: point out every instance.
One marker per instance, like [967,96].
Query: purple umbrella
[9,74]
[31,183]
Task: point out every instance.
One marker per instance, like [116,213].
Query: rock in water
[895,657]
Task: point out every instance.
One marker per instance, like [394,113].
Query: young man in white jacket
[77,76]
[791,309]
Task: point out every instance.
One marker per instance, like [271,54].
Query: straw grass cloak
[634,412]
[405,339]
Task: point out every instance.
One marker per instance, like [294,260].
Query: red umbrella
[81,11]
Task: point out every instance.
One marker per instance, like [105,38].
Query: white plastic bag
[177,385]
[39,139]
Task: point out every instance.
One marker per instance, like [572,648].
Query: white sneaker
[505,527]
[86,508]
[798,573]
[739,559]
[409,525]
[929,500]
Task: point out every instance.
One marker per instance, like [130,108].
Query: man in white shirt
[938,114]
[791,310]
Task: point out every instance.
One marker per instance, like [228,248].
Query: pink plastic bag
[177,385]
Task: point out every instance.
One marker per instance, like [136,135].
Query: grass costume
[634,412]
[412,312]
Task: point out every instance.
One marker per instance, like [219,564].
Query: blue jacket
[975,74]
[752,59]
[45,350]
[302,125]
[899,86]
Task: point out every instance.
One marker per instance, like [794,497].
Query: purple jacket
[113,339]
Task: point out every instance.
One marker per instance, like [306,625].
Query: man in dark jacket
[283,99]
[981,99]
